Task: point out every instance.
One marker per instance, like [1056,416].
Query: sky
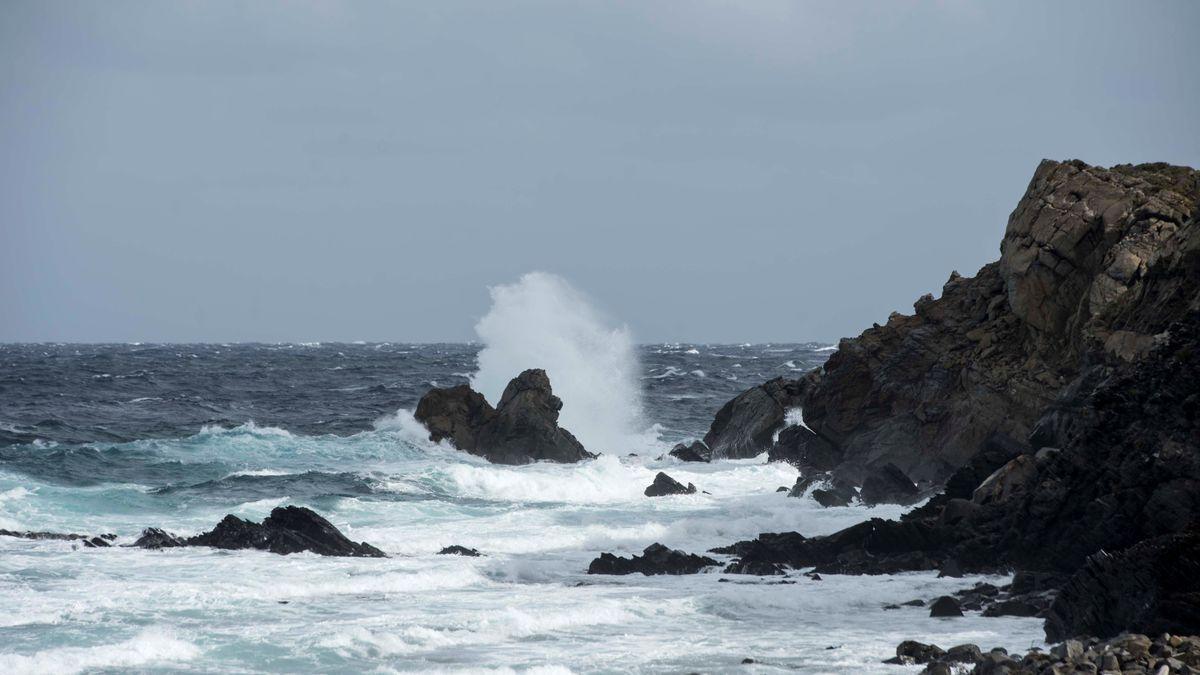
[704,171]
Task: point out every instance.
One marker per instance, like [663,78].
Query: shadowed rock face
[745,426]
[289,529]
[1094,264]
[522,429]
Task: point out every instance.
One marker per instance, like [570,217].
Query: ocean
[115,438]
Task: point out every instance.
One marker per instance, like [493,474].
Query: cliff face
[1095,263]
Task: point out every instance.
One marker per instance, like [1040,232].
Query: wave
[150,647]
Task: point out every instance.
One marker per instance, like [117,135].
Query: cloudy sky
[705,171]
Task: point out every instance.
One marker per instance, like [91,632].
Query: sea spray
[541,321]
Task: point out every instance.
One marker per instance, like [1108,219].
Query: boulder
[289,529]
[655,559]
[911,652]
[800,447]
[523,428]
[746,425]
[888,485]
[665,485]
[696,451]
[945,606]
[754,567]
[1006,482]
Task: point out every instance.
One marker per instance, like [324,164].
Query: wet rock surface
[696,451]
[664,485]
[1127,653]
[455,549]
[655,559]
[289,529]
[746,425]
[521,429]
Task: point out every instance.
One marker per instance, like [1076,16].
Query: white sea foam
[541,321]
[148,647]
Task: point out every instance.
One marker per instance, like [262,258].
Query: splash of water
[541,321]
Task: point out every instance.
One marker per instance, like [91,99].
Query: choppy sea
[115,438]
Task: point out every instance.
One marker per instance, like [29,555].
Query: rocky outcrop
[455,549]
[887,484]
[696,451]
[522,428]
[746,426]
[1154,586]
[289,529]
[655,559]
[1095,263]
[1126,653]
[664,485]
[91,541]
[800,447]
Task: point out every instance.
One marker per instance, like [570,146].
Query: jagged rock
[523,428]
[655,559]
[754,568]
[154,538]
[888,485]
[945,606]
[832,497]
[746,425]
[1152,587]
[665,485]
[61,536]
[1011,608]
[1006,482]
[289,529]
[1095,263]
[96,542]
[455,549]
[800,447]
[696,451]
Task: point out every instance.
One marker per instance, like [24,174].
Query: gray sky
[706,171]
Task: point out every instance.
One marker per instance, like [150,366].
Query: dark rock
[696,451]
[523,428]
[1152,587]
[746,425]
[289,529]
[950,568]
[754,567]
[799,446]
[96,542]
[455,549]
[781,488]
[967,653]
[1006,482]
[888,485]
[656,559]
[59,536]
[911,652]
[1011,608]
[914,603]
[830,498]
[154,538]
[665,485]
[945,606]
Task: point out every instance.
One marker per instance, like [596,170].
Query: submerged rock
[522,428]
[455,549]
[59,536]
[696,451]
[665,485]
[655,559]
[289,529]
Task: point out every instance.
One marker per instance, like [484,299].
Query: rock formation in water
[523,428]
[289,529]
[696,451]
[656,559]
[1095,263]
[664,485]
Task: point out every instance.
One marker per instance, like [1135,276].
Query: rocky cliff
[1094,264]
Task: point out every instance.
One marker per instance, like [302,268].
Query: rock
[1152,587]
[455,549]
[746,425]
[665,485]
[289,529]
[1069,650]
[154,538]
[888,485]
[96,542]
[60,536]
[950,568]
[799,446]
[1006,482]
[945,606]
[1011,608]
[696,451]
[828,498]
[782,488]
[1094,264]
[655,559]
[937,668]
[966,653]
[523,428]
[754,567]
[911,652]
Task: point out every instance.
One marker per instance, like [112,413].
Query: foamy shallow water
[527,606]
